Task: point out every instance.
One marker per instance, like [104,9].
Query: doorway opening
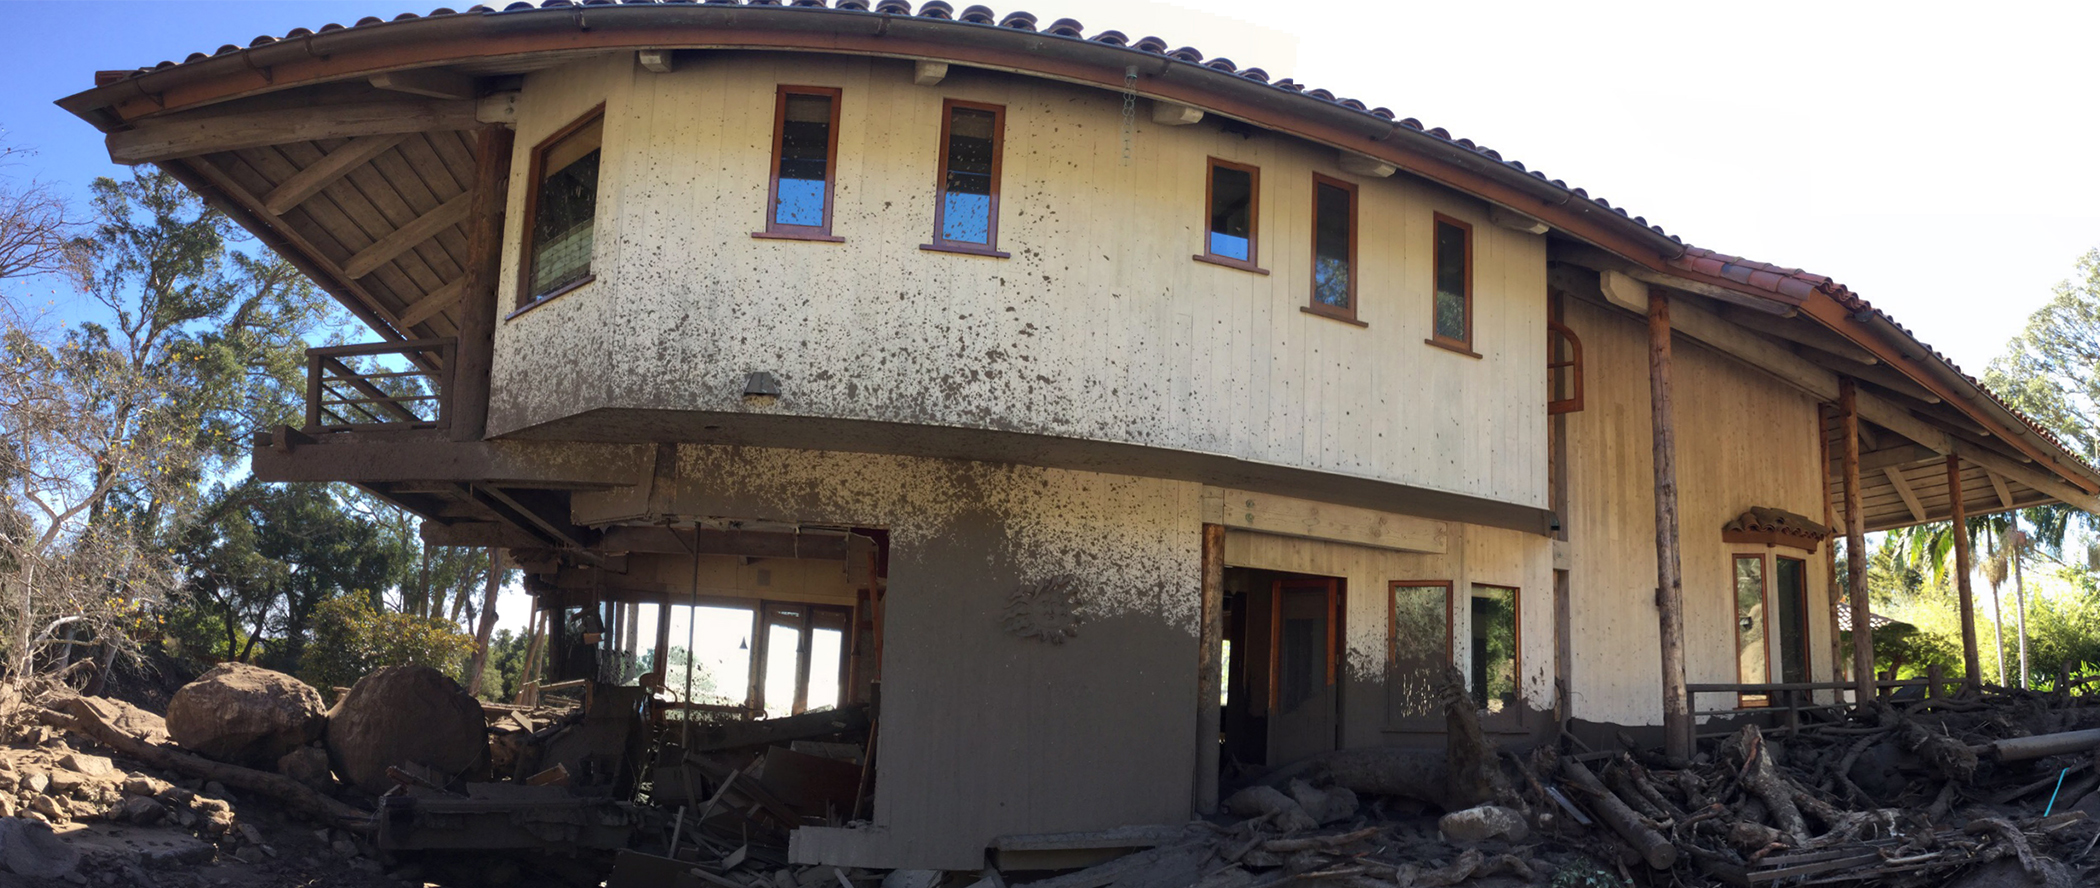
[1282,663]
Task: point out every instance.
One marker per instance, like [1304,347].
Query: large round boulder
[405,715]
[245,714]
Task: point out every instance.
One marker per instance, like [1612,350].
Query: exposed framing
[820,232]
[527,299]
[1210,180]
[940,183]
[1463,346]
[1313,305]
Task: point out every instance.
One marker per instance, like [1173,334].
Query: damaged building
[1067,423]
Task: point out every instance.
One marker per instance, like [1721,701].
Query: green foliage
[503,675]
[352,638]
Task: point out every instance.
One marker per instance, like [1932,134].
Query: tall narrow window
[1418,649]
[1454,284]
[966,206]
[1752,664]
[805,159]
[562,213]
[1494,649]
[1790,617]
[1234,200]
[1334,248]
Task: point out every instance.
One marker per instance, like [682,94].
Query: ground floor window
[1493,676]
[765,659]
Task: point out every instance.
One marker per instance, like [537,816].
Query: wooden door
[1303,650]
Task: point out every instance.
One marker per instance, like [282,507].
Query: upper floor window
[1454,283]
[966,207]
[805,158]
[1232,206]
[561,213]
[1334,248]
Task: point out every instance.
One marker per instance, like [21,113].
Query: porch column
[1972,672]
[1856,546]
[1211,636]
[472,357]
[1669,582]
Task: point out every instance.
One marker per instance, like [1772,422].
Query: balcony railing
[380,385]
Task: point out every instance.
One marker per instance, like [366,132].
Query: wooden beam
[483,211]
[2005,497]
[655,61]
[1210,639]
[433,302]
[1869,461]
[188,135]
[324,172]
[1856,547]
[1669,593]
[1958,524]
[418,230]
[302,252]
[434,83]
[1800,332]
[1910,498]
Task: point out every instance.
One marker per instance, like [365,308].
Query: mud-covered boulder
[245,714]
[401,715]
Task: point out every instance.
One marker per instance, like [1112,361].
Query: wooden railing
[341,396]
[1787,700]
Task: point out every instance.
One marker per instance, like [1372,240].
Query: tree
[352,638]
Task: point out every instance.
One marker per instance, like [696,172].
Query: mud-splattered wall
[1744,440]
[1100,327]
[985,732]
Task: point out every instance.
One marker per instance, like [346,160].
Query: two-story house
[1128,415]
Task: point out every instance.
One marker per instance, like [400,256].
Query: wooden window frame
[1515,715]
[1557,330]
[1462,346]
[1210,182]
[775,230]
[526,299]
[1312,305]
[1735,616]
[940,183]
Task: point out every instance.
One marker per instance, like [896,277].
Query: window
[1453,321]
[1752,666]
[562,210]
[760,659]
[1334,248]
[966,204]
[1494,649]
[1418,649]
[1563,369]
[1233,200]
[805,158]
[1790,616]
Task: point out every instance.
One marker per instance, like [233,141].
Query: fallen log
[2020,749]
[77,715]
[1658,851]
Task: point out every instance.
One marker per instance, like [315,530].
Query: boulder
[1283,812]
[401,715]
[245,715]
[124,717]
[29,848]
[309,766]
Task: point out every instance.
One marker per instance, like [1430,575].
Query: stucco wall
[983,733]
[1099,327]
[1743,440]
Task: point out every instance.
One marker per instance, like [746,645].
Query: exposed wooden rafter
[1910,497]
[323,173]
[405,238]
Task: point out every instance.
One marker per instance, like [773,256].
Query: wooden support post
[1210,638]
[1830,571]
[469,397]
[1856,546]
[1669,583]
[1971,663]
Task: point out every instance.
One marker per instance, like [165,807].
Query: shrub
[352,638]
